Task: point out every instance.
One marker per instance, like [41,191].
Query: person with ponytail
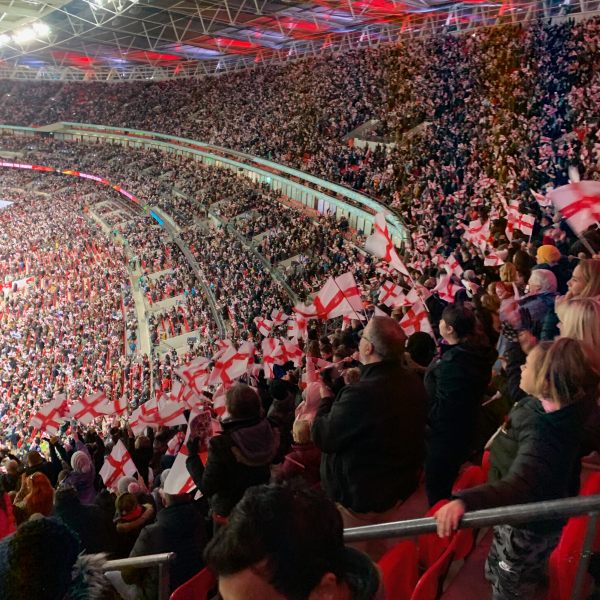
[535,456]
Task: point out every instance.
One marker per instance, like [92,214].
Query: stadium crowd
[511,343]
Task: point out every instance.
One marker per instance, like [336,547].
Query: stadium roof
[158,39]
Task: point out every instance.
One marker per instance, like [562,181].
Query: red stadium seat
[430,585]
[469,478]
[486,465]
[431,546]
[564,561]
[197,588]
[399,567]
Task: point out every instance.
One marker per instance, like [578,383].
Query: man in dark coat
[372,433]
[179,528]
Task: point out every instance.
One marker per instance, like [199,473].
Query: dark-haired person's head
[421,347]
[457,323]
[381,339]
[242,402]
[282,543]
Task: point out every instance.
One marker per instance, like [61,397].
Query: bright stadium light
[4,39]
[24,35]
[41,29]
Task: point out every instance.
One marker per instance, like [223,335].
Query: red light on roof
[379,6]
[79,60]
[303,25]
[231,43]
[149,55]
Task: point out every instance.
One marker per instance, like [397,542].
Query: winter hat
[41,560]
[80,462]
[548,254]
[125,483]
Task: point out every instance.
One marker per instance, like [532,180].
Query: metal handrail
[162,561]
[519,513]
[138,562]
[509,515]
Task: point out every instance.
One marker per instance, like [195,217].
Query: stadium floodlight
[41,29]
[24,35]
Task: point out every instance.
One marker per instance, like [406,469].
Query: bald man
[372,433]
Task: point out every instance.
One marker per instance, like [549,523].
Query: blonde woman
[585,280]
[580,319]
[534,457]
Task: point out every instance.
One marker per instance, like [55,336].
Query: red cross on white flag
[380,244]
[391,294]
[170,414]
[116,465]
[271,355]
[263,325]
[579,203]
[48,418]
[89,407]
[416,319]
[279,317]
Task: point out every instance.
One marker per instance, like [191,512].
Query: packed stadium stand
[300,300]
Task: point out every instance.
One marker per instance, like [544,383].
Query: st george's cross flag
[279,317]
[380,244]
[391,294]
[89,407]
[578,203]
[116,465]
[339,296]
[416,319]
[263,325]
[49,417]
[517,220]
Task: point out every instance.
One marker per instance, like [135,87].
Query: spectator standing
[372,433]
[456,385]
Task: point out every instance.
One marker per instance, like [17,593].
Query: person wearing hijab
[83,473]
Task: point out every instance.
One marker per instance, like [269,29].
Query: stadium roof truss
[115,40]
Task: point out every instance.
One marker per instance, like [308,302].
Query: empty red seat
[486,465]
[565,558]
[430,585]
[197,588]
[469,478]
[399,566]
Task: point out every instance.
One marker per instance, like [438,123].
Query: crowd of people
[374,402]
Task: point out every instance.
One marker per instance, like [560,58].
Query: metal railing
[162,561]
[509,515]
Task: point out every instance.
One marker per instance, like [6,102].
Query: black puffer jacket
[534,457]
[455,386]
[372,438]
[238,458]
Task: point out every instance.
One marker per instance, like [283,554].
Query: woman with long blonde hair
[580,319]
[585,280]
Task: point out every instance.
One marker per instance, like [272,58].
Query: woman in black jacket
[535,457]
[239,457]
[455,385]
